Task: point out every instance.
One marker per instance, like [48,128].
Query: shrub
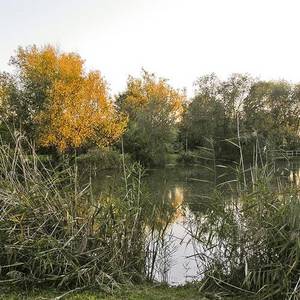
[100,159]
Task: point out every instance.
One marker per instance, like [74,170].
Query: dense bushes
[101,158]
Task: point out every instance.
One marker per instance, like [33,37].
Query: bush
[100,159]
[187,157]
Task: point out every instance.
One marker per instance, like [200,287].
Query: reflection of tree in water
[294,177]
[168,191]
[176,197]
[166,199]
[294,172]
[288,171]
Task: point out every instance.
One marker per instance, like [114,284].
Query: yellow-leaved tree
[154,109]
[152,91]
[61,104]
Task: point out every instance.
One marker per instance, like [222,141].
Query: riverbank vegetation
[248,241]
[58,231]
[55,232]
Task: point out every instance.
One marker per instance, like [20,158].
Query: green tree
[8,91]
[213,111]
[271,111]
[204,115]
[154,109]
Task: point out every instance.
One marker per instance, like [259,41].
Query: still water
[179,194]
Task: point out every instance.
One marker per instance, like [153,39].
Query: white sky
[177,39]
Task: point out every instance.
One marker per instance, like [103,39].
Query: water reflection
[288,171]
[175,202]
[174,263]
[294,177]
[294,172]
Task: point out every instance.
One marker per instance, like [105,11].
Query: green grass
[145,292]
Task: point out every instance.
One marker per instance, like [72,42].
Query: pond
[180,194]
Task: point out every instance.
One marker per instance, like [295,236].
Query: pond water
[179,191]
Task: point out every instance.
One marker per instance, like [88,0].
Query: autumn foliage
[154,110]
[156,92]
[63,105]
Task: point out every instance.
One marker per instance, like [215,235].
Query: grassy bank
[144,292]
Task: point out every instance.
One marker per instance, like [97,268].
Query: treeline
[242,110]
[62,107]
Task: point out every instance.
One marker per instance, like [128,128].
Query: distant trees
[268,110]
[57,103]
[154,109]
[204,116]
[8,90]
[61,106]
[213,111]
[272,111]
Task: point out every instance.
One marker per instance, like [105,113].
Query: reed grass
[248,241]
[55,232]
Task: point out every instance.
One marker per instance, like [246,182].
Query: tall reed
[53,231]
[248,241]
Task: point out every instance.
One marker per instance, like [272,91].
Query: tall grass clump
[55,232]
[248,241]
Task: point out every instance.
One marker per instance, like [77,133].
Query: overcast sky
[177,39]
